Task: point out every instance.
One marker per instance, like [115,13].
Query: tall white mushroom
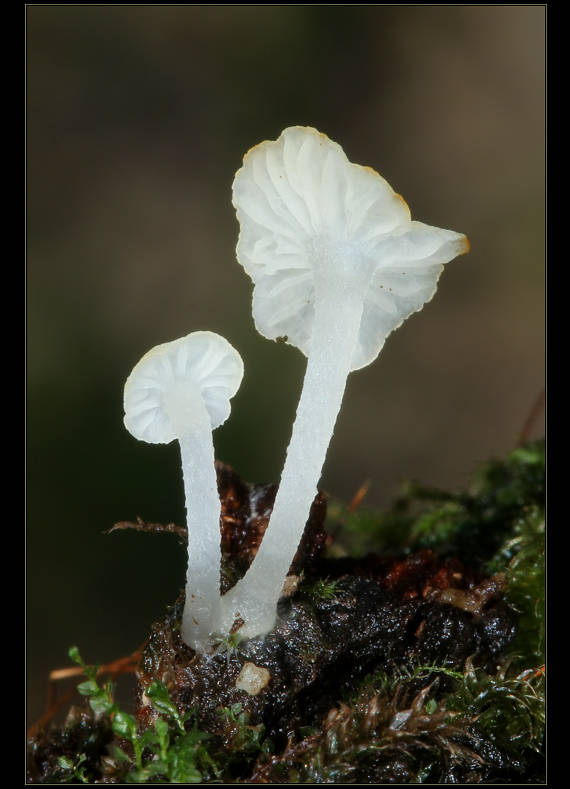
[181,390]
[337,264]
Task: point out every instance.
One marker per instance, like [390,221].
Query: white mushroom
[181,390]
[337,264]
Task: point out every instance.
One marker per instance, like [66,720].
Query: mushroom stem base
[254,598]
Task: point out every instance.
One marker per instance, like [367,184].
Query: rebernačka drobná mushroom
[337,264]
[181,390]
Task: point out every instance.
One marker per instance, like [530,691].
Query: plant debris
[418,660]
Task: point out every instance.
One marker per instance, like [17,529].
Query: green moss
[323,589]
[469,526]
[508,706]
[423,724]
[522,558]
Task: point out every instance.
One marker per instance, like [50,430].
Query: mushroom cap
[168,390]
[302,206]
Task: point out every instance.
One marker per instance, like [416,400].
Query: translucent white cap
[303,207]
[176,383]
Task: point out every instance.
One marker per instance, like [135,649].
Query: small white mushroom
[337,264]
[181,390]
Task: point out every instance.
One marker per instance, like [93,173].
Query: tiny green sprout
[168,751]
[100,698]
[324,589]
[162,732]
[227,645]
[73,653]
[125,726]
[160,698]
[431,706]
[74,769]
[246,737]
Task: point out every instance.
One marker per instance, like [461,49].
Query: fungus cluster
[337,264]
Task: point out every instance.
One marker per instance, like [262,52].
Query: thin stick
[48,715]
[144,526]
[358,496]
[124,665]
[532,417]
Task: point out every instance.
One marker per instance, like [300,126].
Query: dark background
[138,118]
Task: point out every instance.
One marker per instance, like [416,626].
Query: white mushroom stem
[338,312]
[337,264]
[180,391]
[203,522]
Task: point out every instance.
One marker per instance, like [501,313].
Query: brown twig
[168,528]
[144,526]
[358,496]
[534,413]
[48,715]
[124,665]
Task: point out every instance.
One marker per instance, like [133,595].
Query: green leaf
[138,776]
[183,768]
[73,653]
[88,688]
[90,671]
[124,725]
[185,774]
[529,455]
[161,727]
[65,763]
[148,738]
[158,693]
[194,736]
[120,756]
[101,704]
[161,701]
[267,746]
[431,706]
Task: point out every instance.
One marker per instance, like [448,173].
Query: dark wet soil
[339,620]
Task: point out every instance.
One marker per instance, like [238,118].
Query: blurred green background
[138,118]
